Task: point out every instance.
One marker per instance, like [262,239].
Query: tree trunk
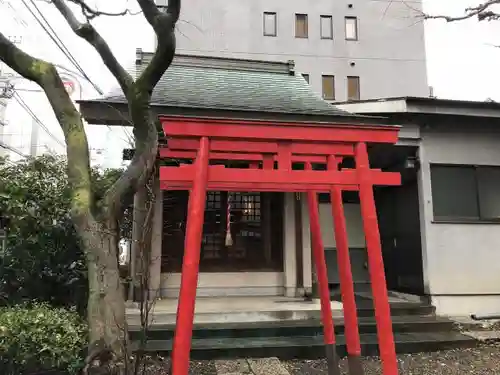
[108,333]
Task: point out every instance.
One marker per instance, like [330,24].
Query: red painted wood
[181,154]
[267,142]
[165,118]
[268,162]
[320,265]
[190,264]
[376,264]
[345,274]
[344,267]
[295,179]
[280,132]
[263,147]
[252,187]
[218,144]
[284,156]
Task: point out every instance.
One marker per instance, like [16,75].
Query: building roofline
[226,63]
[423,105]
[117,114]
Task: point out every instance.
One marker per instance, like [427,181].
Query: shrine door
[252,241]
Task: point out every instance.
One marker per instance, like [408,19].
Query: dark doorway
[253,241]
[399,221]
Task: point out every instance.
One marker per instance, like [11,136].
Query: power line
[18,18]
[14,150]
[59,43]
[62,47]
[27,108]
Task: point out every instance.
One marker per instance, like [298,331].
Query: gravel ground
[483,360]
[161,366]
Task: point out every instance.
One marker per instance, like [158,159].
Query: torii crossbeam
[269,150]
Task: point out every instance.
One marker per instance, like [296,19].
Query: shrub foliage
[38,339]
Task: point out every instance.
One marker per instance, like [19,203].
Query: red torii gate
[261,144]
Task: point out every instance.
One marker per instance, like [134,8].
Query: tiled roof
[229,87]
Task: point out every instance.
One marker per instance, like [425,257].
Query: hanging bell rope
[229,237]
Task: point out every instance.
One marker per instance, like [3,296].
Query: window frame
[306,36]
[321,18]
[358,91]
[323,76]
[356,29]
[275,34]
[477,198]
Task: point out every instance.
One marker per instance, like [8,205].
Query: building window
[351,28]
[301,26]
[353,88]
[465,193]
[326,24]
[270,24]
[306,77]
[328,87]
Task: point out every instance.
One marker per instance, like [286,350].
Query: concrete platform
[238,309]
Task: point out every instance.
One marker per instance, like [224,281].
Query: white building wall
[389,55]
[354,222]
[461,261]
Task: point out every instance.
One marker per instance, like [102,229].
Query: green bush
[38,338]
[43,259]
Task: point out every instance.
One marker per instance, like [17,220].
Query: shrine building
[258,244]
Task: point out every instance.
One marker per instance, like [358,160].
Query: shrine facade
[255,243]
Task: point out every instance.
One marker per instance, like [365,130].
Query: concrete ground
[483,360]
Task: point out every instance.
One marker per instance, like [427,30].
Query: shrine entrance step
[304,339]
[228,310]
[406,305]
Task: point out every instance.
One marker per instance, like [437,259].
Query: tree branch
[483,12]
[87,32]
[90,12]
[46,76]
[138,93]
[150,10]
[145,130]
[163,24]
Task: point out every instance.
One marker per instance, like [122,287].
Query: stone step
[397,309]
[311,327]
[365,309]
[309,347]
[401,304]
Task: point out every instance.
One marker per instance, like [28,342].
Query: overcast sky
[462,60]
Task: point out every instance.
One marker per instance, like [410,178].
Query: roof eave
[426,106]
[102,112]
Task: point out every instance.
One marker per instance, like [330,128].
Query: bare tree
[96,222]
[486,11]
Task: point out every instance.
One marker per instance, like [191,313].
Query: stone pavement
[264,366]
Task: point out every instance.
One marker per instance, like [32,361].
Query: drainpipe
[485,316]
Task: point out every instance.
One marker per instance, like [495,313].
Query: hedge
[37,339]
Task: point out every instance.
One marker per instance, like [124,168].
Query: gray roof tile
[232,89]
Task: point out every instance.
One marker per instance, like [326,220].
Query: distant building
[345,50]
